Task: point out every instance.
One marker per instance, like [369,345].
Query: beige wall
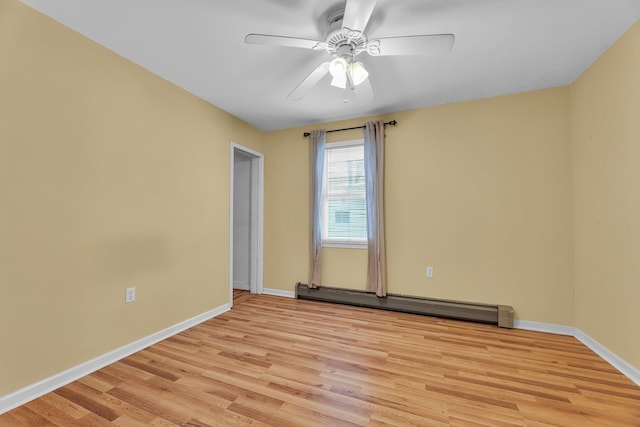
[480,190]
[110,177]
[606,156]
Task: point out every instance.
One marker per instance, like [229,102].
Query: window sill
[345,245]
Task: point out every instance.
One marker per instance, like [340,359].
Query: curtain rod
[392,123]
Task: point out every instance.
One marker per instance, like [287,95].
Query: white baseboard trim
[614,360]
[629,371]
[279,293]
[33,391]
[549,328]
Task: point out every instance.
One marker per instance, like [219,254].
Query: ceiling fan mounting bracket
[335,16]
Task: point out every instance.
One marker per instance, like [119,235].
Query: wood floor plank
[305,416]
[273,361]
[68,407]
[54,414]
[88,398]
[149,402]
[320,399]
[24,416]
[161,422]
[95,420]
[482,414]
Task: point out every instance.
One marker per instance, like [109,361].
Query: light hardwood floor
[274,361]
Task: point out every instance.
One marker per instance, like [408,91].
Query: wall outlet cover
[429,272]
[130,295]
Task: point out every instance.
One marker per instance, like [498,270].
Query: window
[342,217]
[344,208]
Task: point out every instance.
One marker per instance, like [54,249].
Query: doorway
[246,210]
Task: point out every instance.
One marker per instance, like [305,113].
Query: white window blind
[344,207]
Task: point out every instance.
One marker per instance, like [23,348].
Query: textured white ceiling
[501,47]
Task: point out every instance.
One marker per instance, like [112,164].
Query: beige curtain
[317,146]
[374,175]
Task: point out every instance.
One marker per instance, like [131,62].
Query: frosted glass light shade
[338,66]
[338,69]
[358,73]
[339,80]
[343,70]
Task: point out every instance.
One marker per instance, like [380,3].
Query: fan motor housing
[338,43]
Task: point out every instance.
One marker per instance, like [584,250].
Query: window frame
[338,242]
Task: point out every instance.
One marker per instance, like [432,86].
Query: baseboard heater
[500,315]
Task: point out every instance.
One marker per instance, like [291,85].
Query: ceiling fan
[345,40]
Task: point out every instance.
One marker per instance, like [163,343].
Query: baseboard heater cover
[500,315]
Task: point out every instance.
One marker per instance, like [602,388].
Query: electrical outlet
[429,272]
[130,295]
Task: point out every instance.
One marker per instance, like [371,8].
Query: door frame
[257,220]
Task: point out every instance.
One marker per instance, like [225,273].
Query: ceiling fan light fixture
[338,66]
[338,69]
[339,81]
[358,73]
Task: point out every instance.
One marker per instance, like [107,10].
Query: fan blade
[310,81]
[356,16]
[411,45]
[284,41]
